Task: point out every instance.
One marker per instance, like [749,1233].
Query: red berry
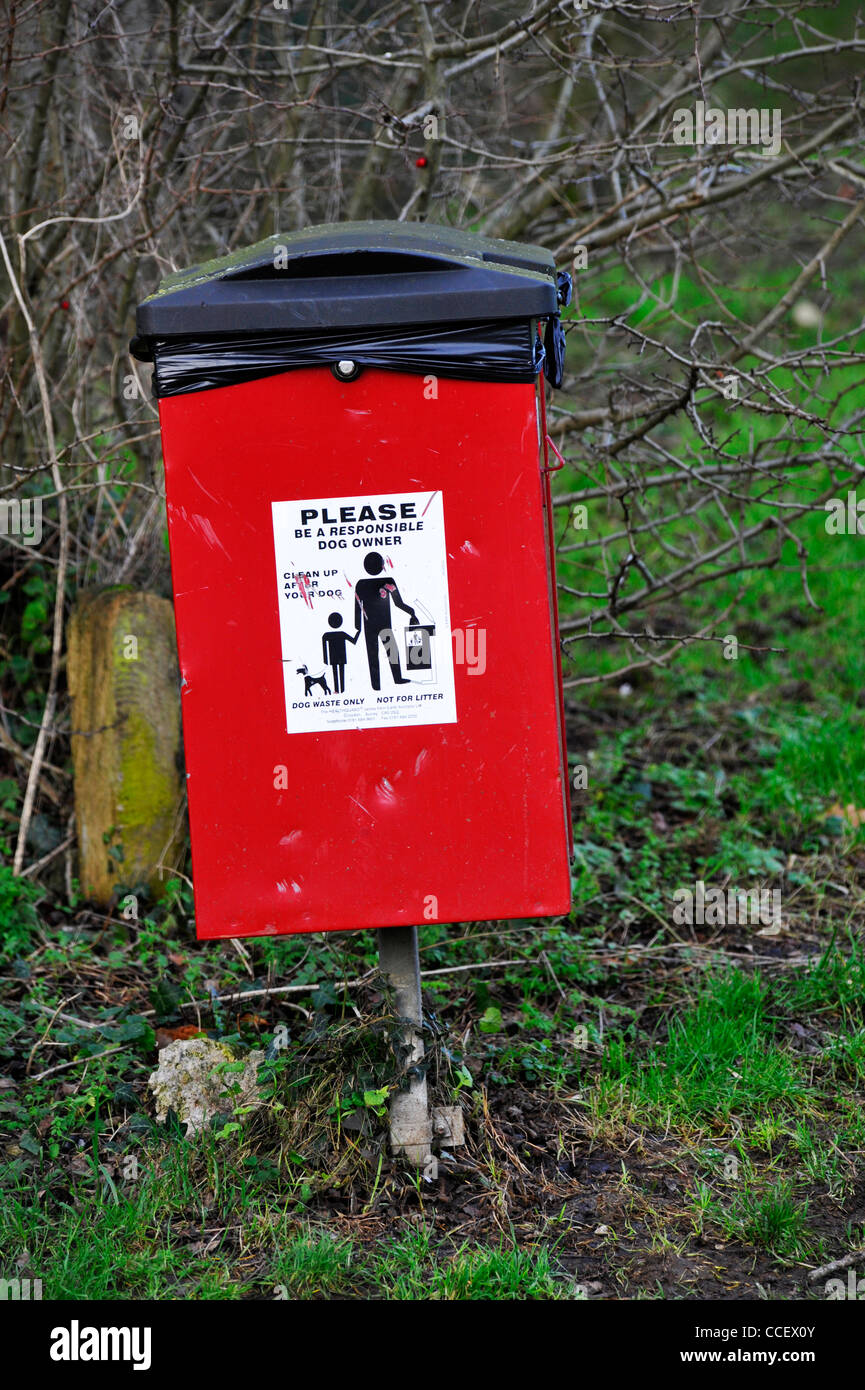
[64,304]
[421,163]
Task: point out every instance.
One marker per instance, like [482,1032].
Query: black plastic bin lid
[401,296]
[352,275]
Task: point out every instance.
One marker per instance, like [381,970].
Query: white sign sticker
[363,611]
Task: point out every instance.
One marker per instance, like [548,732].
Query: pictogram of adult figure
[372,600]
[335,654]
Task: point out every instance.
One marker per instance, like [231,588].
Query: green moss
[147,785]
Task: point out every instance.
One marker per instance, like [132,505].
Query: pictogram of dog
[309,681]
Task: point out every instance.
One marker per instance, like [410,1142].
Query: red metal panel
[554,597]
[375,826]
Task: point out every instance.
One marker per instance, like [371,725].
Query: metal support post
[410,1124]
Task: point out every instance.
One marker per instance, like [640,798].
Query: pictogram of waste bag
[418,646]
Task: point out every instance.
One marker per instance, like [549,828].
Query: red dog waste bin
[359,524]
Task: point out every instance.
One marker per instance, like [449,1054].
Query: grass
[773,1218]
[131,1250]
[717,1058]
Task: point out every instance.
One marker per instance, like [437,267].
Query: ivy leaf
[165,996]
[375,1100]
[491,1020]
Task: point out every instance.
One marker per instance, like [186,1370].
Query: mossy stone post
[126,740]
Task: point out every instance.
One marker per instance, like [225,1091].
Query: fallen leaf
[164,1036]
[853,815]
[253,1021]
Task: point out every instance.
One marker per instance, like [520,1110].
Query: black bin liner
[501,350]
